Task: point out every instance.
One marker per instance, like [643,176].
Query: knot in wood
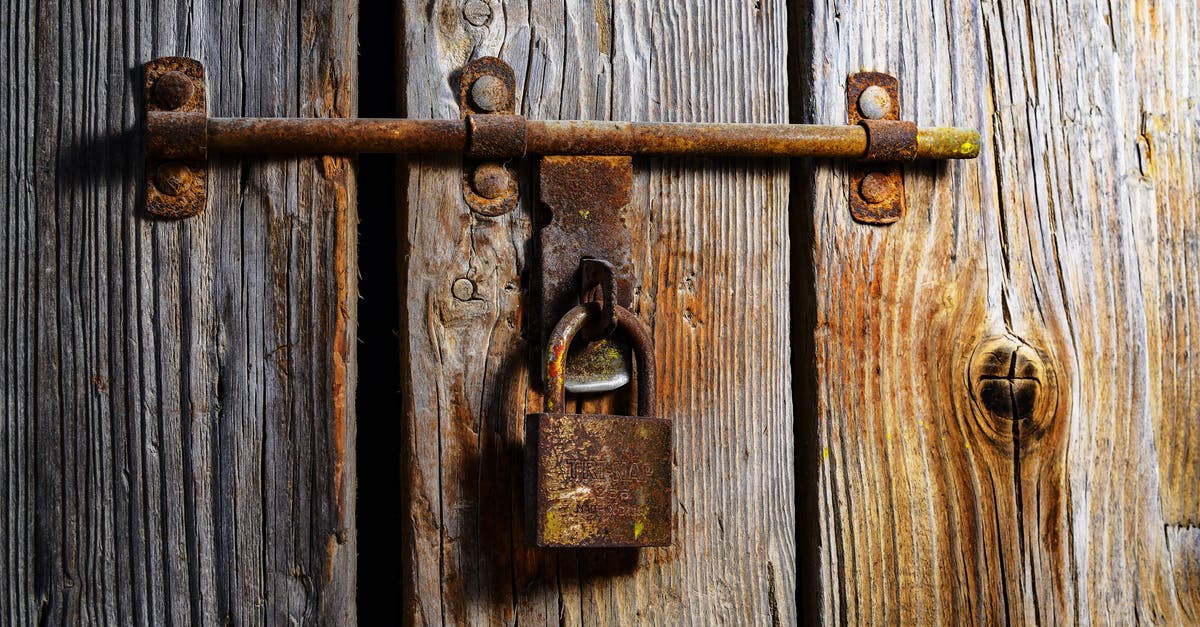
[1007,376]
[477,12]
[1014,386]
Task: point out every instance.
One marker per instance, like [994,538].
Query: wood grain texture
[1071,241]
[176,438]
[712,242]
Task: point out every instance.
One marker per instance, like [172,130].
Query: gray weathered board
[711,237]
[177,425]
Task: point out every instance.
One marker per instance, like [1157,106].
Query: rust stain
[336,171]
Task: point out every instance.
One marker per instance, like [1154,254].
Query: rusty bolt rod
[575,137]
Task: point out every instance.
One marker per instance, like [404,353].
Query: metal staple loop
[890,140]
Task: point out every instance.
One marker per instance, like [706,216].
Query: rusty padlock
[595,480]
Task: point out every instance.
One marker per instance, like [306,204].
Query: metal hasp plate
[176,137]
[876,185]
[584,198]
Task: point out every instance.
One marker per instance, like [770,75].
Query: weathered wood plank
[177,431]
[1069,243]
[711,237]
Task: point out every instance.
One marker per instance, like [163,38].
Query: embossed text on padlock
[595,480]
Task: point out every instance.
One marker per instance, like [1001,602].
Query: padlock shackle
[560,343]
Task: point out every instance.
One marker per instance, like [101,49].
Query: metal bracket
[876,186]
[176,137]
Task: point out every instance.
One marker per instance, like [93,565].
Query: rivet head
[877,187]
[463,289]
[489,93]
[491,180]
[477,12]
[172,178]
[173,90]
[874,103]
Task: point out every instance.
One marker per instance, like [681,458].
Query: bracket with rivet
[176,162]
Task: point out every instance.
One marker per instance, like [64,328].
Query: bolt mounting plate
[884,201]
[176,188]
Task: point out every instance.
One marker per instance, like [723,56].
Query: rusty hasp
[584,198]
[598,480]
[596,277]
[491,133]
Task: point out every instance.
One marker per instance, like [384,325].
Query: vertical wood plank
[177,433]
[711,239]
[1052,267]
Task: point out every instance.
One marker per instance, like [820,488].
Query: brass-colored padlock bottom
[598,481]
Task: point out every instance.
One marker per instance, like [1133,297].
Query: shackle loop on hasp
[560,342]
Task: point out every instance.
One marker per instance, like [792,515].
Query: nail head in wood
[877,187]
[491,180]
[172,178]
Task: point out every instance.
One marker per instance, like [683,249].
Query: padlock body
[597,481]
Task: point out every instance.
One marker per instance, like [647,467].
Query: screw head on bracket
[172,178]
[877,187]
[491,180]
[489,93]
[875,103]
[477,12]
[173,90]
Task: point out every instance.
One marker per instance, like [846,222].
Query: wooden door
[980,414]
[177,420]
